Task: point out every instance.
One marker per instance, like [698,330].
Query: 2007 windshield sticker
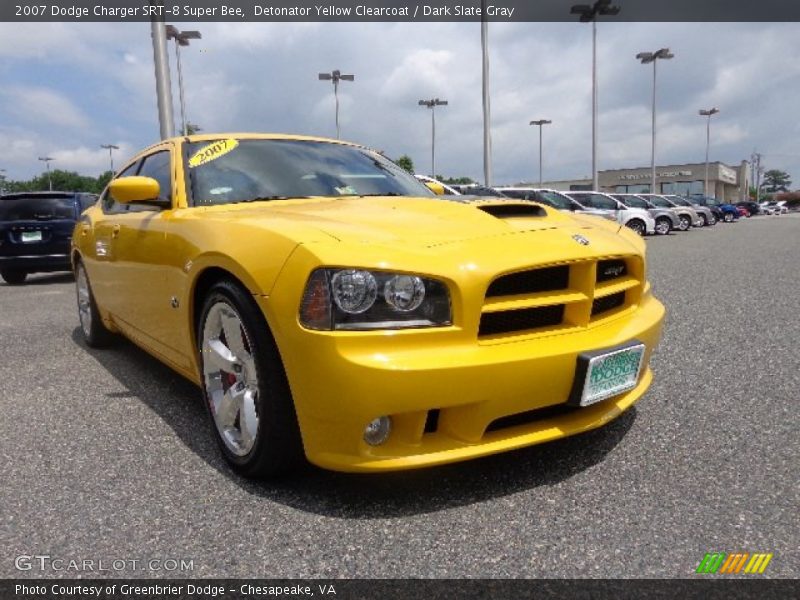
[212,152]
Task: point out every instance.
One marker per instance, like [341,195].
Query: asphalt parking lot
[108,455]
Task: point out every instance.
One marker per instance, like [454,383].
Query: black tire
[705,221]
[94,332]
[278,447]
[636,225]
[13,276]
[686,222]
[663,226]
[728,218]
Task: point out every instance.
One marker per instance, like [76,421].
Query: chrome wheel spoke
[248,418]
[221,357]
[230,378]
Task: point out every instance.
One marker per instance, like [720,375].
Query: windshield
[37,208]
[556,200]
[660,202]
[230,170]
[632,201]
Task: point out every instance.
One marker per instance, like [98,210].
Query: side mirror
[436,188]
[135,189]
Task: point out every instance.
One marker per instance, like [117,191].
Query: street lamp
[336,76]
[432,104]
[46,160]
[485,99]
[540,122]
[590,13]
[646,58]
[110,148]
[181,39]
[708,113]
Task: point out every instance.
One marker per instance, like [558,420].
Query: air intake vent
[530,416]
[521,320]
[530,282]
[511,211]
[607,303]
[611,269]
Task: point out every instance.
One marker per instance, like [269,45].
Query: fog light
[377,432]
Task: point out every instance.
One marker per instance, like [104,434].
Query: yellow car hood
[419,222]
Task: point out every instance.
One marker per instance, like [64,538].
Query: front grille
[530,416]
[607,303]
[563,296]
[520,320]
[529,282]
[611,269]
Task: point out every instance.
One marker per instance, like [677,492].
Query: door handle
[115,231]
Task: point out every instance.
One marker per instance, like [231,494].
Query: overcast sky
[67,88]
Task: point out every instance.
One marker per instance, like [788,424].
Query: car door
[142,260]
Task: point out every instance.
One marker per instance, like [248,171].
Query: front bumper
[341,381]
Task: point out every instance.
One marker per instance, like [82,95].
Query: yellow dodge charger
[331,307]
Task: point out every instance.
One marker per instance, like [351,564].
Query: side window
[107,202]
[159,167]
[86,201]
[603,202]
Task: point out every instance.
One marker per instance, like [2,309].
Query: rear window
[37,208]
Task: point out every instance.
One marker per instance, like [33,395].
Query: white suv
[638,219]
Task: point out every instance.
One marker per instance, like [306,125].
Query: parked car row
[646,214]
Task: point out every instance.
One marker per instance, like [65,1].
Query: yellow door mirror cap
[127,190]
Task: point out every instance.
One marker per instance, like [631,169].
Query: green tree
[406,163]
[192,128]
[777,181]
[456,180]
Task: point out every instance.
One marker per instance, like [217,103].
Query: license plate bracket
[601,374]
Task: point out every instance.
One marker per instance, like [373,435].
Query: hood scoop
[513,210]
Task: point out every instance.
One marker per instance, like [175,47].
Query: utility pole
[158,31]
[487,112]
[432,104]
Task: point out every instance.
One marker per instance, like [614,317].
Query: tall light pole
[46,160]
[487,112]
[647,58]
[432,104]
[540,122]
[590,13]
[110,148]
[708,113]
[336,76]
[181,39]
[158,33]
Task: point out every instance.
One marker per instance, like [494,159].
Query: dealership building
[724,182]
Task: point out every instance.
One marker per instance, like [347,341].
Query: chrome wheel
[230,377]
[663,226]
[728,217]
[84,301]
[685,222]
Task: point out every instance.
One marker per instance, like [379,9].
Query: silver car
[637,219]
[553,199]
[706,214]
[665,218]
[687,215]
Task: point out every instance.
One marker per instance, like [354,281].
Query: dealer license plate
[608,373]
[31,236]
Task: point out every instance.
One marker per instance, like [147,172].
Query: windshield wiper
[383,194]
[267,198]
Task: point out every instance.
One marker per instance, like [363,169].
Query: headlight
[359,299]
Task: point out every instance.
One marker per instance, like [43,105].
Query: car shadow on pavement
[357,496]
[44,279]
